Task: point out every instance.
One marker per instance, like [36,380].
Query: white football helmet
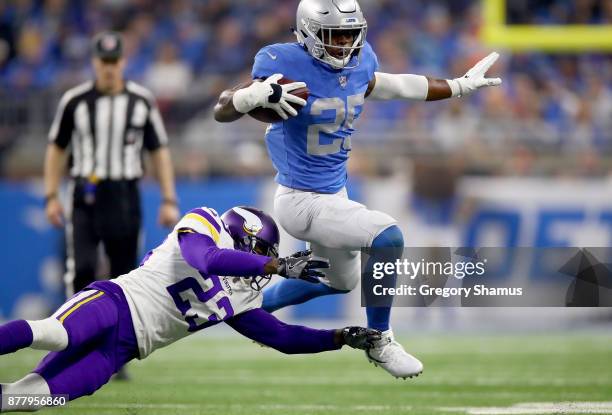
[318,20]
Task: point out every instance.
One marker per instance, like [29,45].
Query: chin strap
[340,63]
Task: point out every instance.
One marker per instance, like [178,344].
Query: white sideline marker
[537,408]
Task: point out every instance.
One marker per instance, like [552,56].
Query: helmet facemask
[253,231]
[318,39]
[255,245]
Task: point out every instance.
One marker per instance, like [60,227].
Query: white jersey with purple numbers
[310,151]
[169,299]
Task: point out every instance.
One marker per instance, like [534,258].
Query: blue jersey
[310,151]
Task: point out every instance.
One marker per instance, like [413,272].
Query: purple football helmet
[253,231]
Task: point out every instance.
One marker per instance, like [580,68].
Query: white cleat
[391,356]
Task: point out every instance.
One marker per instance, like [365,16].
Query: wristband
[168,201]
[456,88]
[243,100]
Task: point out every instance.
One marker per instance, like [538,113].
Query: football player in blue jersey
[310,148]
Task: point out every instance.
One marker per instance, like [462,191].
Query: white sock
[32,384]
[48,334]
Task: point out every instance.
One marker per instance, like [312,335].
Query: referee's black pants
[111,215]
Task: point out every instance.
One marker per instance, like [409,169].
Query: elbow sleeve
[399,86]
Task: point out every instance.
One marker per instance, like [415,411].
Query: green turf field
[231,375]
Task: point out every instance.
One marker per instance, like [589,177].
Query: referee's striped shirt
[108,132]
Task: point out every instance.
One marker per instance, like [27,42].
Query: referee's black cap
[108,46]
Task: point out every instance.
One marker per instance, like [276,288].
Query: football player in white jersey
[210,269]
[310,148]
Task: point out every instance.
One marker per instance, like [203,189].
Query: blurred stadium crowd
[553,115]
[560,11]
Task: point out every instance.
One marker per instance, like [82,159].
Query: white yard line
[119,405]
[537,408]
[534,408]
[270,407]
[247,378]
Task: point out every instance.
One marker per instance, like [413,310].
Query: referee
[106,123]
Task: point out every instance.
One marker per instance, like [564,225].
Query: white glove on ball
[269,94]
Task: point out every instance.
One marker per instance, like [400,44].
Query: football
[268,115]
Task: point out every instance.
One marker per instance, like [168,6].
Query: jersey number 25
[344,119]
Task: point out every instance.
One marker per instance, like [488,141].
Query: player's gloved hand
[475,78]
[302,265]
[269,94]
[360,337]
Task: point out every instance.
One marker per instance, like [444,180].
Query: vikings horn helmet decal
[253,231]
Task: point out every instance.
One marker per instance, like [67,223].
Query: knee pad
[345,270]
[48,334]
[345,285]
[391,237]
[372,222]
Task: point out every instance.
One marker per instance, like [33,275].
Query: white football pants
[334,226]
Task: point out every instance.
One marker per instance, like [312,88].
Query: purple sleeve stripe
[208,218]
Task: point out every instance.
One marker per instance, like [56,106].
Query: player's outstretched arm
[386,86]
[268,93]
[264,328]
[201,252]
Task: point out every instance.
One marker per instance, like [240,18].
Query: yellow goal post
[549,38]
